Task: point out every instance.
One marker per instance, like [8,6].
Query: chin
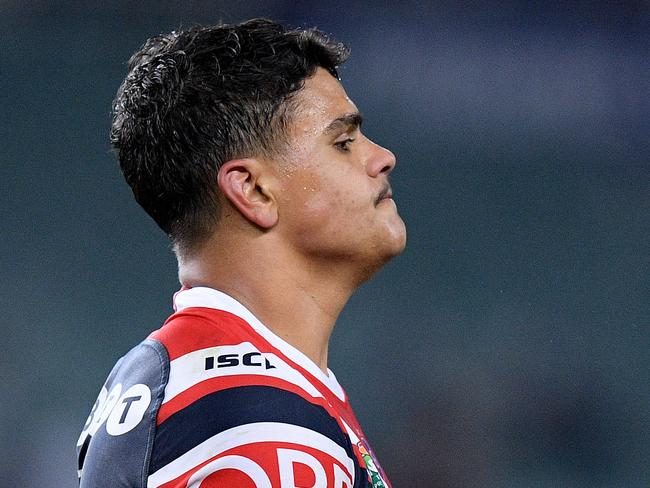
[396,238]
[395,250]
[391,245]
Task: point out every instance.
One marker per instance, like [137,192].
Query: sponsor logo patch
[372,468]
[129,410]
[235,359]
[122,411]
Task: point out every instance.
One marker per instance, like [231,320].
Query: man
[240,142]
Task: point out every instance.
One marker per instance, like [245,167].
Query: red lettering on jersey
[268,465]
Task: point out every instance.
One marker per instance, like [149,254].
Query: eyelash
[343,145]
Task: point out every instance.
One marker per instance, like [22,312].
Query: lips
[386,193]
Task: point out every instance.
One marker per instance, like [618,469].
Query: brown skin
[297,235]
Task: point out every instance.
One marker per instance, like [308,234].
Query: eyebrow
[347,121]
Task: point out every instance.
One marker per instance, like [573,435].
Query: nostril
[381,160]
[389,163]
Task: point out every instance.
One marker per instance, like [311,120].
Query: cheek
[303,200]
[325,201]
[326,213]
[320,207]
[304,191]
[333,202]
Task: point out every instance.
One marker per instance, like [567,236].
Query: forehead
[321,100]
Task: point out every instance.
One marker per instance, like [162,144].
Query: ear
[244,183]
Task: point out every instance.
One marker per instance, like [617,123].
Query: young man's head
[253,115]
[195,99]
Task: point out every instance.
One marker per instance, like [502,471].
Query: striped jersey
[215,399]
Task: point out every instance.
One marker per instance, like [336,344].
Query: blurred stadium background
[509,346]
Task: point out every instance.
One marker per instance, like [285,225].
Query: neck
[297,299]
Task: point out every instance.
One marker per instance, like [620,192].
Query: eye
[344,145]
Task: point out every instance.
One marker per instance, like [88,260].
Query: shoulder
[119,430]
[207,397]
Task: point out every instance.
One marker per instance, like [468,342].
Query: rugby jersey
[215,399]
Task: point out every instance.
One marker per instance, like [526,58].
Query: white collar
[211,298]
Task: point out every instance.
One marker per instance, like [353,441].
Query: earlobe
[242,182]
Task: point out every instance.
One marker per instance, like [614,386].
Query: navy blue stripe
[225,409]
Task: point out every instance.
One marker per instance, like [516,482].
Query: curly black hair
[200,97]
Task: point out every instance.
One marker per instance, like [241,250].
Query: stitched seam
[164,373]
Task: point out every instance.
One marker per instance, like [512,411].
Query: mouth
[385,194]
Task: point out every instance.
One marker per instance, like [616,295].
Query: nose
[381,160]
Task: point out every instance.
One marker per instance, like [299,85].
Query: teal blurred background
[508,347]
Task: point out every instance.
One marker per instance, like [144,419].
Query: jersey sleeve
[115,446]
[253,437]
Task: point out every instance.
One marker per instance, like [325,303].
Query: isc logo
[234,359]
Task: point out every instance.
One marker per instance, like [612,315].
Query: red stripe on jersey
[198,328]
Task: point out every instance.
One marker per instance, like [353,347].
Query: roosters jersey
[215,399]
